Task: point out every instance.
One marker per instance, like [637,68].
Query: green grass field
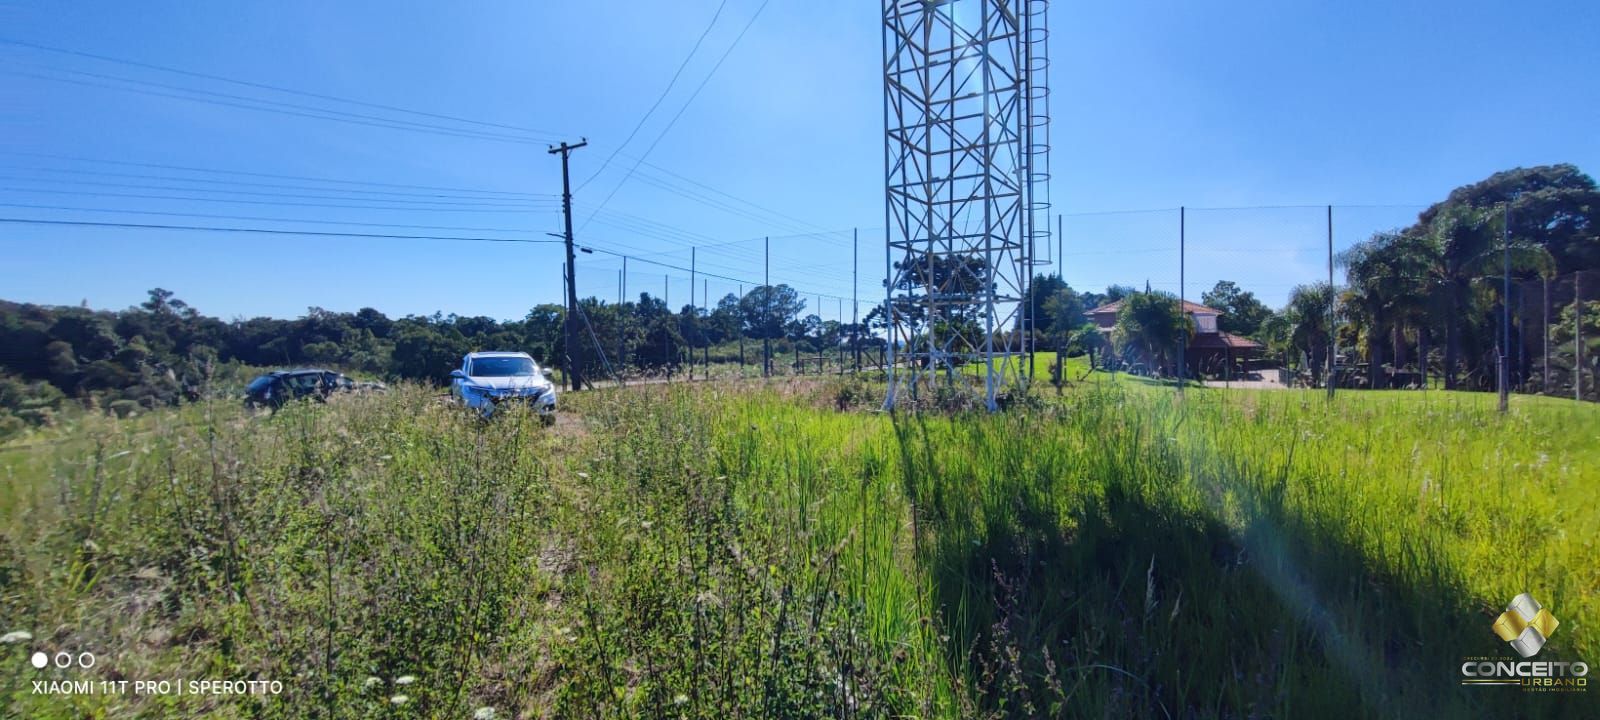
[782,550]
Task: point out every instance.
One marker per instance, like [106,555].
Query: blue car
[488,381]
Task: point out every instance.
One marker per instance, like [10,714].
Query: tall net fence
[1263,288]
[1555,335]
[779,305]
[1275,297]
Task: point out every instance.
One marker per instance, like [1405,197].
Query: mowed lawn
[782,549]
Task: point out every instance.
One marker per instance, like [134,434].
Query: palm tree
[1307,315]
[1389,293]
[1154,326]
[1465,275]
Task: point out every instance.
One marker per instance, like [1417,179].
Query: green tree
[767,310]
[1241,312]
[1307,318]
[1152,328]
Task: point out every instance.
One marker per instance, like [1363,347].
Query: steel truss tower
[966,157]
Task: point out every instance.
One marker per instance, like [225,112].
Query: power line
[229,201]
[241,183]
[257,193]
[734,198]
[663,96]
[727,278]
[688,236]
[274,88]
[711,202]
[1152,211]
[685,106]
[209,216]
[266,231]
[392,123]
[268,106]
[185,168]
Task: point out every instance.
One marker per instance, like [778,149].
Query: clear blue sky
[1156,105]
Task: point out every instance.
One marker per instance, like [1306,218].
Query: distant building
[1210,350]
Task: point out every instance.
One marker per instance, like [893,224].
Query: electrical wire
[274,88]
[663,96]
[268,106]
[246,173]
[685,106]
[269,231]
[229,201]
[209,216]
[256,193]
[240,183]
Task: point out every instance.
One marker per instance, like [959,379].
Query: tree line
[1427,298]
[164,350]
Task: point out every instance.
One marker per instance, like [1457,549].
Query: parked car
[278,387]
[487,381]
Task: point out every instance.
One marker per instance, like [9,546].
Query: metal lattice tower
[966,156]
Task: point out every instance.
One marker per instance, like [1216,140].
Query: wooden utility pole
[573,375]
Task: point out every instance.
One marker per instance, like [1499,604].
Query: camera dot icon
[40,660]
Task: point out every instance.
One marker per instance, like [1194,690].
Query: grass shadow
[1080,567]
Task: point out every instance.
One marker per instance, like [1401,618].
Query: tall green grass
[779,550]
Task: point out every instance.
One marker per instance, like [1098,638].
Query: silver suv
[486,381]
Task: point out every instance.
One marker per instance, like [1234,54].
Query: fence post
[740,330]
[694,312]
[855,301]
[666,299]
[705,302]
[1504,365]
[767,309]
[622,318]
[1333,329]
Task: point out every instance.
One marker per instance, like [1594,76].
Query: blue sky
[1378,108]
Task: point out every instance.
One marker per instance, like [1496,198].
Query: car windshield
[502,366]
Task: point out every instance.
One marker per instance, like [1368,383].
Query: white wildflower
[15,636]
[483,713]
[371,682]
[405,680]
[399,700]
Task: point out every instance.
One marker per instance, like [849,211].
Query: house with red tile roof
[1210,351]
